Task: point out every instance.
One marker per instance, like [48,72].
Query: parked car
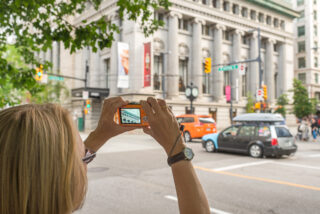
[256,135]
[196,126]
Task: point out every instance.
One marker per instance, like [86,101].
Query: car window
[283,132]
[206,120]
[246,131]
[232,131]
[185,119]
[263,131]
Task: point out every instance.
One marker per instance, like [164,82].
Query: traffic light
[265,95]
[39,73]
[88,104]
[257,105]
[85,110]
[207,65]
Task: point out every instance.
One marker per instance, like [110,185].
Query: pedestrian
[299,130]
[43,161]
[305,129]
[314,129]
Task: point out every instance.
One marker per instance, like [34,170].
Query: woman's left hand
[107,128]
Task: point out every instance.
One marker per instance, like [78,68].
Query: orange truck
[196,126]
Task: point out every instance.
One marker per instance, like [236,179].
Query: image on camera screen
[130,116]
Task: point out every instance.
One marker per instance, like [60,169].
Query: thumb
[147,130]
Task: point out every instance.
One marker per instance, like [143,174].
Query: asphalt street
[130,175]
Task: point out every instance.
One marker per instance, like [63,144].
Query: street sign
[242,69]
[55,78]
[228,68]
[85,95]
[260,95]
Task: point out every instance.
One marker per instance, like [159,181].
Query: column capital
[175,14]
[220,27]
[271,41]
[239,32]
[254,35]
[113,16]
[197,20]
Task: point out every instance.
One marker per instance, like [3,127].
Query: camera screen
[130,115]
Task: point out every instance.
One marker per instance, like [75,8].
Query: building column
[285,73]
[253,66]
[173,59]
[55,55]
[217,76]
[269,75]
[94,69]
[196,55]
[236,55]
[113,78]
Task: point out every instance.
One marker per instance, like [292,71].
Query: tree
[33,26]
[282,101]
[301,103]
[250,104]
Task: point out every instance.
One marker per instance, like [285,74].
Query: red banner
[147,65]
[228,93]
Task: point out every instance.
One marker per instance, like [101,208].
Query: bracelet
[174,145]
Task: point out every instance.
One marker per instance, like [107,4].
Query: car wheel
[187,137]
[255,151]
[210,146]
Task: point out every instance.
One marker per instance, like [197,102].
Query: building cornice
[280,8]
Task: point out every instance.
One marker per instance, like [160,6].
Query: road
[130,175]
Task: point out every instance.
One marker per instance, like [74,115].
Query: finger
[147,108]
[116,104]
[162,104]
[147,130]
[154,104]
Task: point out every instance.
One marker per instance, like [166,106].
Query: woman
[43,160]
[314,129]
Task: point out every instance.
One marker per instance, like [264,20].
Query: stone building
[225,30]
[307,68]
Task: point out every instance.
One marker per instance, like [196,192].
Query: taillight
[274,142]
[201,124]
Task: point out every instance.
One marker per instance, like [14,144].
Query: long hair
[41,170]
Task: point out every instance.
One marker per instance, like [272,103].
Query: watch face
[195,92]
[188,92]
[188,153]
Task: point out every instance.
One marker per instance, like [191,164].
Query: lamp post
[192,93]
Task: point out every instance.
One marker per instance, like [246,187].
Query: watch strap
[175,158]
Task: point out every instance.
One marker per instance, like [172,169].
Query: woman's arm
[164,128]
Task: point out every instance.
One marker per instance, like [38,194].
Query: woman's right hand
[164,127]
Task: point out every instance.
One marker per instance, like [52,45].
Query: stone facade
[194,30]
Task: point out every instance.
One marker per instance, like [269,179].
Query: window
[276,22]
[206,30]
[261,18]
[206,120]
[215,3]
[301,62]
[275,47]
[315,1]
[245,40]
[315,46]
[283,25]
[300,2]
[226,6]
[315,30]
[302,77]
[315,15]
[269,20]
[317,96]
[232,131]
[301,31]
[316,78]
[185,119]
[227,36]
[263,131]
[235,9]
[246,131]
[158,16]
[244,12]
[226,79]
[253,15]
[206,81]
[315,61]
[183,74]
[184,24]
[301,47]
[283,132]
[107,71]
[157,72]
[204,1]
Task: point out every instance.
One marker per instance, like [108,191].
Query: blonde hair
[41,170]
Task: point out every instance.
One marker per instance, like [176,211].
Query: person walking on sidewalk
[314,129]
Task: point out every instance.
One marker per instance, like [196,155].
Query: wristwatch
[185,154]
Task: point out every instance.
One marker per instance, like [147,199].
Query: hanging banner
[147,65]
[123,65]
[228,93]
